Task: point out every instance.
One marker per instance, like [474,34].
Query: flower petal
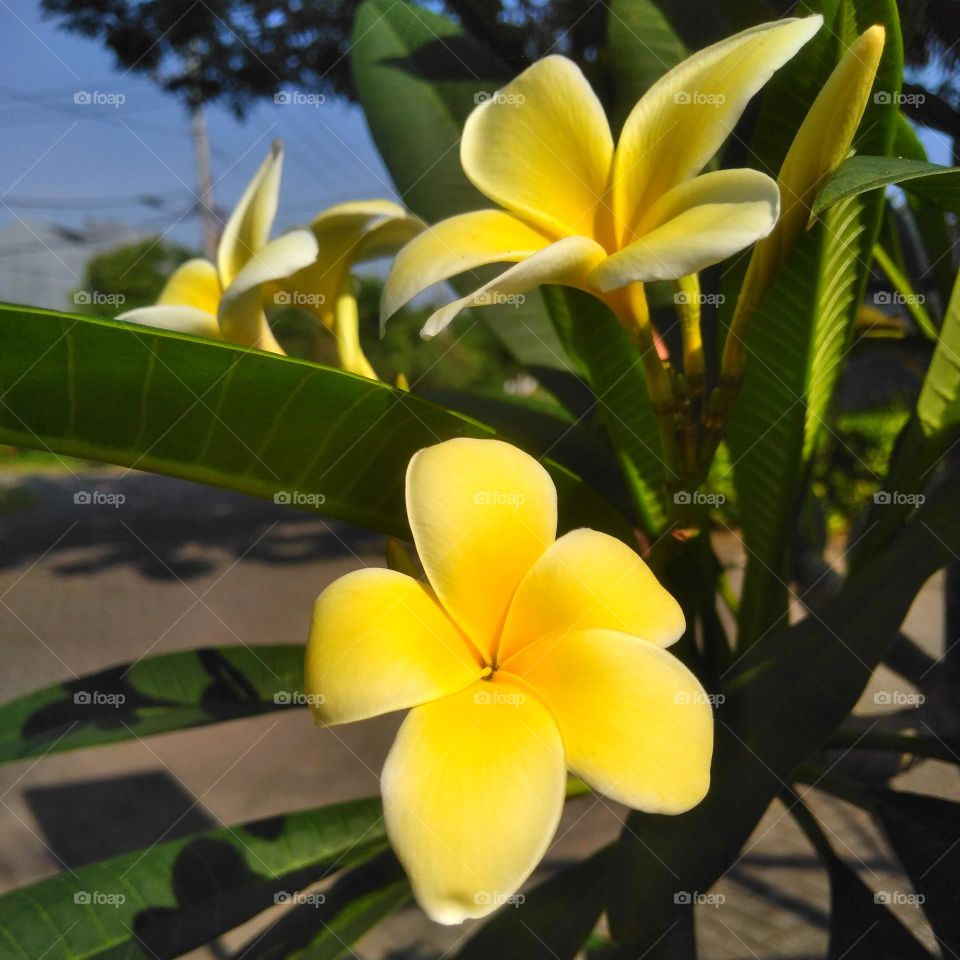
[379,642]
[569,261]
[472,794]
[682,120]
[241,306]
[481,512]
[821,143]
[181,319]
[350,228]
[193,284]
[636,724]
[348,233]
[694,225]
[453,246]
[542,148]
[585,580]
[249,225]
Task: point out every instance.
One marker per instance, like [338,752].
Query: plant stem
[910,300]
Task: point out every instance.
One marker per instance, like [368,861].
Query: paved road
[175,565]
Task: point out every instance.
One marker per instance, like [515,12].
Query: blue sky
[88,160]
[63,155]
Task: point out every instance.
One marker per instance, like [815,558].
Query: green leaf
[212,412]
[937,184]
[178,895]
[543,433]
[418,76]
[861,927]
[795,349]
[551,922]
[152,695]
[928,435]
[924,833]
[358,901]
[609,362]
[797,341]
[784,696]
[938,406]
[642,48]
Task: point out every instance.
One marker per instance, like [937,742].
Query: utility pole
[201,152]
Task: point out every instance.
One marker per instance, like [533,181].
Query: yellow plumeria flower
[348,234]
[523,655]
[580,211]
[225,300]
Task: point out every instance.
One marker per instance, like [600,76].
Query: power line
[152,201]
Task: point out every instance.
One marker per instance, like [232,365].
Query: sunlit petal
[193,284]
[348,233]
[190,320]
[249,225]
[472,794]
[380,642]
[682,120]
[636,723]
[481,512]
[452,247]
[241,307]
[589,579]
[569,261]
[542,148]
[695,225]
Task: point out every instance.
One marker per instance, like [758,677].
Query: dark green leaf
[271,426]
[642,47]
[358,901]
[609,362]
[861,926]
[937,184]
[778,710]
[168,899]
[551,922]
[931,431]
[925,835]
[795,349]
[418,76]
[151,695]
